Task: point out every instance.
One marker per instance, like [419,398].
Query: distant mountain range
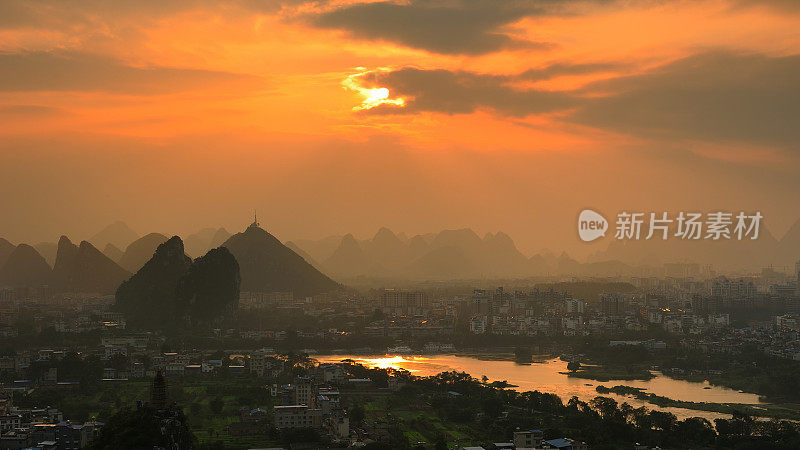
[450,254]
[140,251]
[266,264]
[462,254]
[76,268]
[112,251]
[118,233]
[308,267]
[724,254]
[199,243]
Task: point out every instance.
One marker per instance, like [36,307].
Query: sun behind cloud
[372,97]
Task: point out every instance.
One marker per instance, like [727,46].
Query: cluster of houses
[779,338]
[586,323]
[41,428]
[315,401]
[533,440]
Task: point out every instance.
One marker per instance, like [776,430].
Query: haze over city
[399,224]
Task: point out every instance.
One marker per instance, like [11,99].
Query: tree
[697,430]
[663,420]
[216,405]
[492,407]
[145,428]
[440,442]
[574,366]
[119,361]
[357,414]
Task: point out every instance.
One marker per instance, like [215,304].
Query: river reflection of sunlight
[549,375]
[392,362]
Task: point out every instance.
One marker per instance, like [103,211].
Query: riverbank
[771,411]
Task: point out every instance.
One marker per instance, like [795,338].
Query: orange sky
[176,115]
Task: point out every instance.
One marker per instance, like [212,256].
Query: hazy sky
[343,116]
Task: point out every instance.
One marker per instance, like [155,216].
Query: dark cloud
[717,96]
[462,92]
[565,68]
[46,13]
[75,71]
[441,26]
[778,5]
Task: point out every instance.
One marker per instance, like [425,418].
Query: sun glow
[396,362]
[372,96]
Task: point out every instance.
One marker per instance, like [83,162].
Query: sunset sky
[331,117]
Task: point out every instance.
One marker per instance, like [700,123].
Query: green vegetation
[448,409]
[426,411]
[607,373]
[210,404]
[145,427]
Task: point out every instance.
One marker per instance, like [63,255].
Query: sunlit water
[548,376]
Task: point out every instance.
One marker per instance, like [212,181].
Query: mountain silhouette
[48,250]
[500,256]
[6,248]
[293,247]
[204,240]
[464,238]
[417,246]
[350,260]
[85,269]
[725,254]
[788,248]
[210,288]
[113,252]
[140,251]
[426,256]
[387,250]
[219,238]
[566,265]
[267,265]
[118,233]
[456,254]
[442,263]
[25,267]
[539,265]
[149,296]
[320,249]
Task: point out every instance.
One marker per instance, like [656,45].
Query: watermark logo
[715,226]
[591,225]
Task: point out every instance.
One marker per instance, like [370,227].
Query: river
[548,376]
